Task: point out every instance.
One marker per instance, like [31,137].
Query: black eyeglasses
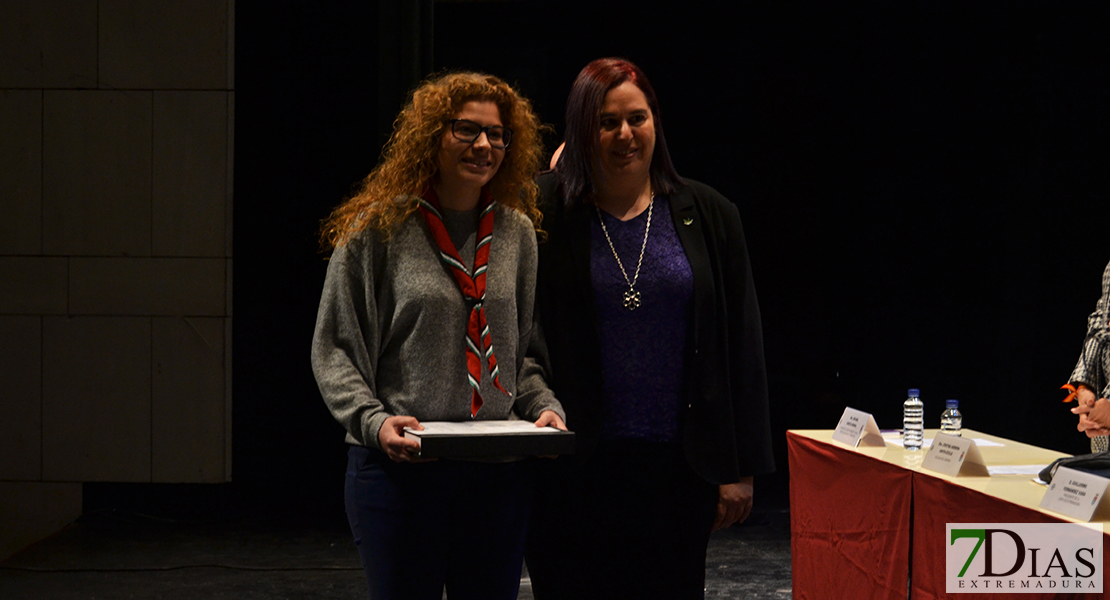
[468,131]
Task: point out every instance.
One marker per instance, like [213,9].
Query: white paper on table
[896,439]
[482,428]
[1016,469]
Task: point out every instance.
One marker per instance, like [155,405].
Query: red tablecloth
[938,502]
[865,523]
[849,523]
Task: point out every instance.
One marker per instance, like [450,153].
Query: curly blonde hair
[387,196]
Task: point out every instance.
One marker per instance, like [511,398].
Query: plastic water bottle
[951,421]
[913,424]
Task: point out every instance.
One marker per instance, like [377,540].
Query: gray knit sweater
[390,330]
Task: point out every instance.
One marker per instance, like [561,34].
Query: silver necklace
[631,297]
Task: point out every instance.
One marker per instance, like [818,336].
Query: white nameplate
[1076,494]
[954,456]
[857,427]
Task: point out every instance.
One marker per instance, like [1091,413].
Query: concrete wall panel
[148,286]
[21,398]
[33,285]
[188,400]
[190,173]
[141,48]
[96,398]
[48,44]
[32,511]
[96,165]
[20,170]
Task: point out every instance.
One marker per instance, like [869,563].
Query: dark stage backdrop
[922,186]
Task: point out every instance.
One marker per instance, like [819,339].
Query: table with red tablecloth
[869,522]
[849,520]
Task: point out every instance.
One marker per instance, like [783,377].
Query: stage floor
[113,555]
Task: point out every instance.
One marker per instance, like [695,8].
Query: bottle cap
[913,392]
[952,403]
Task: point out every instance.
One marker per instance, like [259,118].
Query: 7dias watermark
[1023,558]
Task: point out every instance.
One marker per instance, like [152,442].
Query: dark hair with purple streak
[583,127]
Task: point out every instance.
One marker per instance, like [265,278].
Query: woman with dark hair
[426,314]
[649,314]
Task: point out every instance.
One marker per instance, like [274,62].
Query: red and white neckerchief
[472,284]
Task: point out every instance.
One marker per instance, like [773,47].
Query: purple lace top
[641,349]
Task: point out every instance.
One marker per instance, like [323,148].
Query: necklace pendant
[632,299]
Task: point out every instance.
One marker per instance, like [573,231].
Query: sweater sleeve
[346,342]
[1090,369]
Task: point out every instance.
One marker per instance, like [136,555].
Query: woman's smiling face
[626,139]
[467,166]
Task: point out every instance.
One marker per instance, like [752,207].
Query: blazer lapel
[578,228]
[691,233]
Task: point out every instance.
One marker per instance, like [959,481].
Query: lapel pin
[688,221]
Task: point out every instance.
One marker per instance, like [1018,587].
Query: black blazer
[726,431]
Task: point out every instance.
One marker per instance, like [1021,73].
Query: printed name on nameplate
[858,428]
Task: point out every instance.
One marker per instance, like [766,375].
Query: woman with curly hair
[426,314]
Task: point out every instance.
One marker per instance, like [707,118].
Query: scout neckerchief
[473,286]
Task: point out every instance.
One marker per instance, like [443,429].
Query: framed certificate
[490,439]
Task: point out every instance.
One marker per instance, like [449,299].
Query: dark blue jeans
[454,524]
